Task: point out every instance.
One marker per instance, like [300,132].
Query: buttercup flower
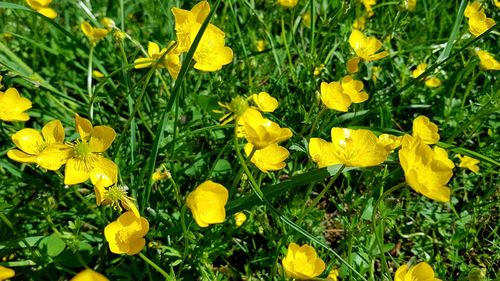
[469,163]
[116,196]
[42,7]
[270,158]
[239,218]
[419,272]
[487,61]
[478,22]
[89,275]
[211,54]
[354,88]
[260,45]
[32,143]
[368,6]
[426,130]
[159,59]
[12,106]
[260,131]
[426,171]
[354,148]
[366,47]
[185,21]
[92,33]
[125,235]
[302,263]
[497,3]
[207,203]
[265,102]
[390,142]
[352,64]
[333,97]
[6,273]
[288,3]
[410,5]
[159,175]
[431,81]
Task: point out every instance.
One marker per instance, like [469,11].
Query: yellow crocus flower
[159,59]
[265,102]
[260,131]
[13,106]
[92,33]
[424,129]
[302,262]
[366,47]
[419,272]
[6,273]
[42,7]
[487,61]
[270,158]
[89,275]
[207,203]
[333,97]
[469,163]
[125,235]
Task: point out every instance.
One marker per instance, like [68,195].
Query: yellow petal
[333,96]
[432,82]
[74,172]
[201,11]
[87,29]
[104,170]
[143,63]
[29,141]
[6,273]
[20,156]
[53,132]
[352,64]
[48,12]
[54,156]
[401,273]
[265,102]
[136,246]
[153,49]
[83,127]
[322,152]
[101,139]
[425,129]
[89,275]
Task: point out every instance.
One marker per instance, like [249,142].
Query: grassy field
[364,218]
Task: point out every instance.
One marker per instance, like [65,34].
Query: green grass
[51,232]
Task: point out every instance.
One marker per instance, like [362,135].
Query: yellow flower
[265,102]
[288,3]
[240,218]
[186,20]
[497,3]
[302,263]
[125,235]
[354,148]
[270,158]
[92,33]
[426,171]
[410,5]
[306,19]
[260,131]
[318,69]
[115,195]
[161,175]
[487,61]
[32,143]
[419,272]
[12,106]
[368,6]
[359,23]
[333,275]
[6,273]
[260,45]
[366,47]
[479,23]
[390,142]
[89,275]
[42,7]
[97,74]
[431,82]
[211,54]
[425,130]
[352,64]
[472,9]
[354,88]
[237,107]
[333,97]
[207,203]
[159,59]
[108,23]
[469,163]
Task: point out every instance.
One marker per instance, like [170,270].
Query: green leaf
[52,245]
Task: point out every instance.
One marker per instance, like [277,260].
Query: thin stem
[154,265]
[89,83]
[315,123]
[374,215]
[285,41]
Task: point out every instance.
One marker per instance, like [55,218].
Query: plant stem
[89,83]
[154,265]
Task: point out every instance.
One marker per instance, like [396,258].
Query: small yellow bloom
[487,61]
[354,88]
[89,275]
[92,33]
[354,148]
[478,22]
[260,45]
[270,158]
[125,235]
[410,5]
[431,81]
[302,262]
[472,9]
[333,275]
[240,218]
[108,23]
[32,143]
[359,23]
[211,54]
[97,74]
[425,130]
[352,64]
[207,203]
[333,97]
[427,171]
[6,273]
[116,196]
[288,3]
[419,272]
[12,106]
[366,47]
[42,7]
[390,142]
[260,131]
[160,59]
[469,163]
[318,69]
[265,102]
[368,6]
[186,20]
[161,175]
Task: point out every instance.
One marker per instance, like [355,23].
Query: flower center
[84,155]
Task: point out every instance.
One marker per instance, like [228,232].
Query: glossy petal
[352,64]
[425,129]
[270,158]
[48,12]
[201,11]
[265,102]
[101,139]
[19,156]
[29,141]
[6,273]
[323,152]
[74,172]
[12,106]
[89,275]
[54,156]
[83,127]
[53,132]
[333,96]
[207,203]
[104,170]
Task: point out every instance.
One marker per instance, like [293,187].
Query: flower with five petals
[125,235]
[265,102]
[366,47]
[12,106]
[302,262]
[207,203]
[260,131]
[419,272]
[160,59]
[92,33]
[270,158]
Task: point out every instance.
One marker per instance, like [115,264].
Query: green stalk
[154,265]
[89,83]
